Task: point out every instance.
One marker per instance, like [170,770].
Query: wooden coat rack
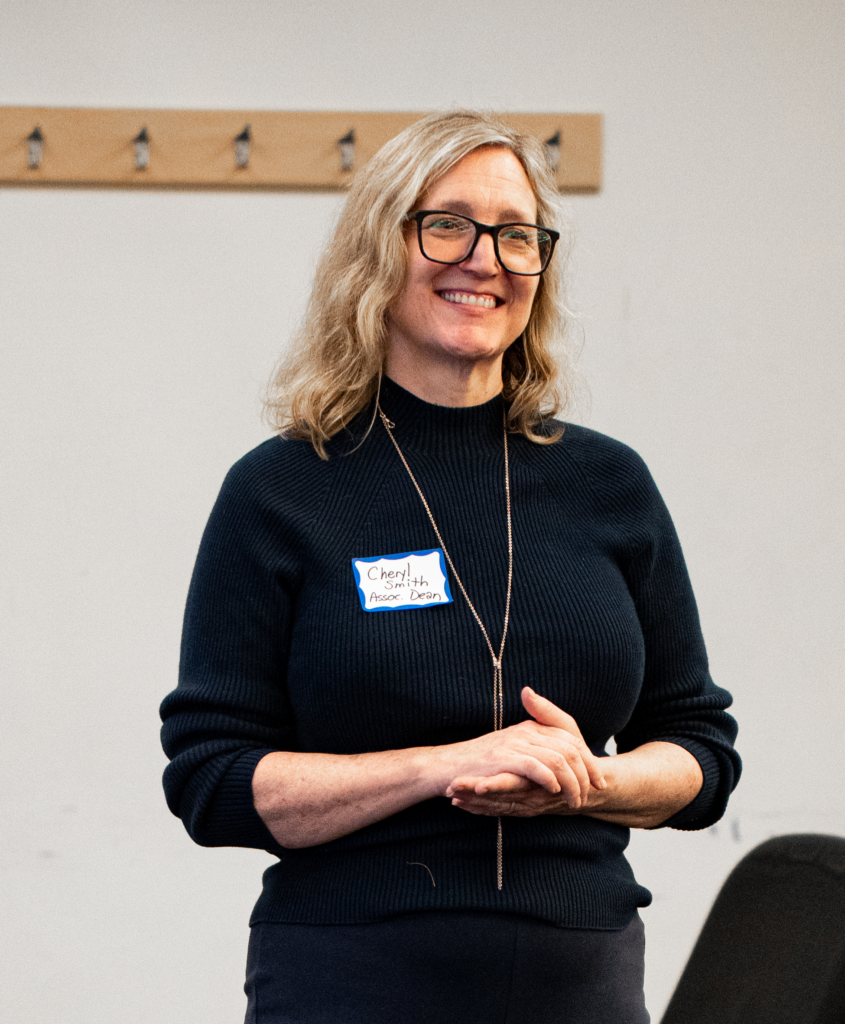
[214,149]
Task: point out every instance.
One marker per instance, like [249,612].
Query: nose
[483,259]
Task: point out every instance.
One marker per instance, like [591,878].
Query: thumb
[546,713]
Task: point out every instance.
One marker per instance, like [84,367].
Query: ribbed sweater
[279,654]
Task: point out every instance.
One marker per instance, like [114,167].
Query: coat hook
[141,142]
[35,150]
[347,150]
[242,144]
[552,145]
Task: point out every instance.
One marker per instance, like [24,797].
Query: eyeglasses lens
[523,248]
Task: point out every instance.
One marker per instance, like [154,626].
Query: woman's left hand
[643,787]
[507,796]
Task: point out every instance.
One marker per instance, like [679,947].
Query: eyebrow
[510,214]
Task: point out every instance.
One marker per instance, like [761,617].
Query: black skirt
[445,967]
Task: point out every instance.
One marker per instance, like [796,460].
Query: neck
[443,381]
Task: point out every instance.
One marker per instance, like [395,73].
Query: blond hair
[335,365]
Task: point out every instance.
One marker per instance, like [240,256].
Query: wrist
[434,768]
[447,762]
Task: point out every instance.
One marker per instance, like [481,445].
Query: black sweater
[279,654]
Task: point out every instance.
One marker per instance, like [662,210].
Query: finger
[496,808]
[538,802]
[545,713]
[566,762]
[581,760]
[536,773]
[464,783]
[505,782]
[576,763]
[564,741]
[594,769]
[570,784]
[536,770]
[473,807]
[592,765]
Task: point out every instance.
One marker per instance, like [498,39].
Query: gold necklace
[498,693]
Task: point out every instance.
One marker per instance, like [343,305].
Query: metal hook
[35,148]
[347,150]
[242,144]
[141,142]
[552,145]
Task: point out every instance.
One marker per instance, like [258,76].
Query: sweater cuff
[703,810]
[233,819]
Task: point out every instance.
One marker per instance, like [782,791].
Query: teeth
[468,299]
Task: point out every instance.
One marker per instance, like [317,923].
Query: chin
[471,349]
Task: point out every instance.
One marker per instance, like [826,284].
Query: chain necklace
[498,692]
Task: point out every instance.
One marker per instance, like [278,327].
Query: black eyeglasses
[445,237]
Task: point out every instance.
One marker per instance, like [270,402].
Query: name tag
[415,579]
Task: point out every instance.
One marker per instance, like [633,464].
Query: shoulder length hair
[335,364]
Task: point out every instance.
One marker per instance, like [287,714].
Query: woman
[418,617]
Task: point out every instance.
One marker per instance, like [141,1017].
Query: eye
[446,224]
[518,235]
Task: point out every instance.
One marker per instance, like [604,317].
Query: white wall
[138,328]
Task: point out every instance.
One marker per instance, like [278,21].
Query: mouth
[462,298]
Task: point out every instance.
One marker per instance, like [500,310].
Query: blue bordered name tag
[414,579]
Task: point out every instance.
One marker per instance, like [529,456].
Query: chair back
[772,950]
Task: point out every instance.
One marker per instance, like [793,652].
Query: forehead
[487,184]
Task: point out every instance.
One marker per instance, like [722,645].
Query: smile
[470,299]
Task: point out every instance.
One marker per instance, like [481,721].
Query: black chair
[772,950]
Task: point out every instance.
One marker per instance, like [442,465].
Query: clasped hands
[540,767]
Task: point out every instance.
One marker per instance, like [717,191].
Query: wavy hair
[335,364]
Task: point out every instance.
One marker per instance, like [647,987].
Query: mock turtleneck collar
[441,426]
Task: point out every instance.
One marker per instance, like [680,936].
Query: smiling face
[465,315]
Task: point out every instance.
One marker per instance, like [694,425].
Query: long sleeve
[230,707]
[679,702]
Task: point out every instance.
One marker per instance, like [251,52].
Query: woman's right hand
[306,799]
[548,751]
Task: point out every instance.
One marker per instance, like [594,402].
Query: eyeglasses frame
[484,229]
